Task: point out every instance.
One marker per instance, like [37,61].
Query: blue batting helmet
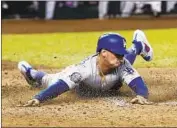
[112,42]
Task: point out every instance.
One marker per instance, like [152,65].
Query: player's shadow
[88,92]
[85,92]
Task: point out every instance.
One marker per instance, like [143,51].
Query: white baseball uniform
[87,73]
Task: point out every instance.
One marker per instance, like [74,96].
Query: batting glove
[31,103]
[140,100]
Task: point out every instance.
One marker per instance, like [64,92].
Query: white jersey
[87,73]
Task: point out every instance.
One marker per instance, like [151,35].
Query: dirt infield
[70,109]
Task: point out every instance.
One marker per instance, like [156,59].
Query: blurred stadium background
[85,9]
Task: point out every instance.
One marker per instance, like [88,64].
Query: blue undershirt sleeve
[139,87]
[52,91]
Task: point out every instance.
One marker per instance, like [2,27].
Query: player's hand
[31,103]
[140,100]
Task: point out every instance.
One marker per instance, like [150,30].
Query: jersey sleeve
[131,77]
[128,73]
[75,74]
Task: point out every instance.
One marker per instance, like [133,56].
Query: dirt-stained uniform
[87,73]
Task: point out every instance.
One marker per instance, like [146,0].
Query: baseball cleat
[147,51]
[25,68]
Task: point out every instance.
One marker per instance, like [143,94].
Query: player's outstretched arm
[52,91]
[141,90]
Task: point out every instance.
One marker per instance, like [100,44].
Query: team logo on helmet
[124,43]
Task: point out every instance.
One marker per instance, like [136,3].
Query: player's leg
[52,84]
[32,76]
[140,46]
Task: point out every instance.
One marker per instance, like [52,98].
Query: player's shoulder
[85,67]
[89,59]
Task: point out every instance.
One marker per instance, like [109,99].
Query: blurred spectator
[102,9]
[155,7]
[141,7]
[84,9]
[172,6]
[50,9]
[115,9]
[109,9]
[127,8]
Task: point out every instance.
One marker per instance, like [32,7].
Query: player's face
[113,60]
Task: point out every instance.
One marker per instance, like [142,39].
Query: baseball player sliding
[108,68]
